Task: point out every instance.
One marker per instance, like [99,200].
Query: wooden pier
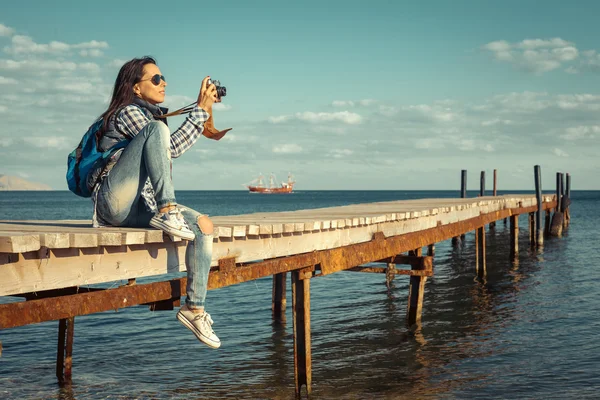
[51,264]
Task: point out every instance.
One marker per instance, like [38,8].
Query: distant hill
[14,183]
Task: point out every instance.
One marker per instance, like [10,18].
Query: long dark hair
[130,73]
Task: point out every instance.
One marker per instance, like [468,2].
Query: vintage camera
[221,90]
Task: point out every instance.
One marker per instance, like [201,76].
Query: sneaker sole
[168,230]
[198,334]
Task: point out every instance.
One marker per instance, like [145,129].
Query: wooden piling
[568,199]
[418,252]
[514,237]
[481,264]
[477,250]
[431,250]
[532,229]
[416,291]
[556,226]
[493,223]
[278,296]
[539,240]
[463,195]
[301,316]
[390,274]
[64,354]
[562,192]
[482,184]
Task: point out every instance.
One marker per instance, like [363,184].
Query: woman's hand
[207,95]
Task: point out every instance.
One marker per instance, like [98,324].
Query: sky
[345,95]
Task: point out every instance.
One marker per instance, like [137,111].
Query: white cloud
[342,116]
[560,153]
[288,148]
[345,117]
[279,119]
[429,143]
[22,44]
[435,112]
[367,102]
[5,30]
[221,107]
[39,66]
[7,81]
[59,142]
[117,63]
[496,121]
[343,103]
[91,53]
[534,55]
[350,103]
[466,144]
[340,153]
[581,132]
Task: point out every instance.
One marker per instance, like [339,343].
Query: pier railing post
[301,316]
[64,354]
[279,300]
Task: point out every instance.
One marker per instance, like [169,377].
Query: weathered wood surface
[43,255]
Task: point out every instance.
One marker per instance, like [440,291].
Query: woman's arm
[131,120]
[187,134]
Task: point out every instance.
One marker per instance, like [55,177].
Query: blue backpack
[85,158]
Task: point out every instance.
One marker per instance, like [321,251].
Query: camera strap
[183,110]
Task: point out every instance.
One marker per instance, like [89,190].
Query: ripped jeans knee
[205,224]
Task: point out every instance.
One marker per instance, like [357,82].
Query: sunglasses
[155,79]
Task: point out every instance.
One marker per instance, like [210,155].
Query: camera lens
[221,91]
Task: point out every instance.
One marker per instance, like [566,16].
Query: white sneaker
[172,222]
[200,324]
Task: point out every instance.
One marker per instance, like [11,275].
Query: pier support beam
[279,300]
[301,316]
[514,237]
[64,355]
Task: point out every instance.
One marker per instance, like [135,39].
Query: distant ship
[257,185]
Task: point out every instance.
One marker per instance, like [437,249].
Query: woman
[135,189]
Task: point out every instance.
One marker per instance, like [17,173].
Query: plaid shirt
[130,121]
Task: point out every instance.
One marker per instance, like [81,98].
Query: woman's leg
[147,156]
[198,257]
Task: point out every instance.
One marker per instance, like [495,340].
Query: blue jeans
[119,201]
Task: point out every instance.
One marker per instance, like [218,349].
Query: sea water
[528,330]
